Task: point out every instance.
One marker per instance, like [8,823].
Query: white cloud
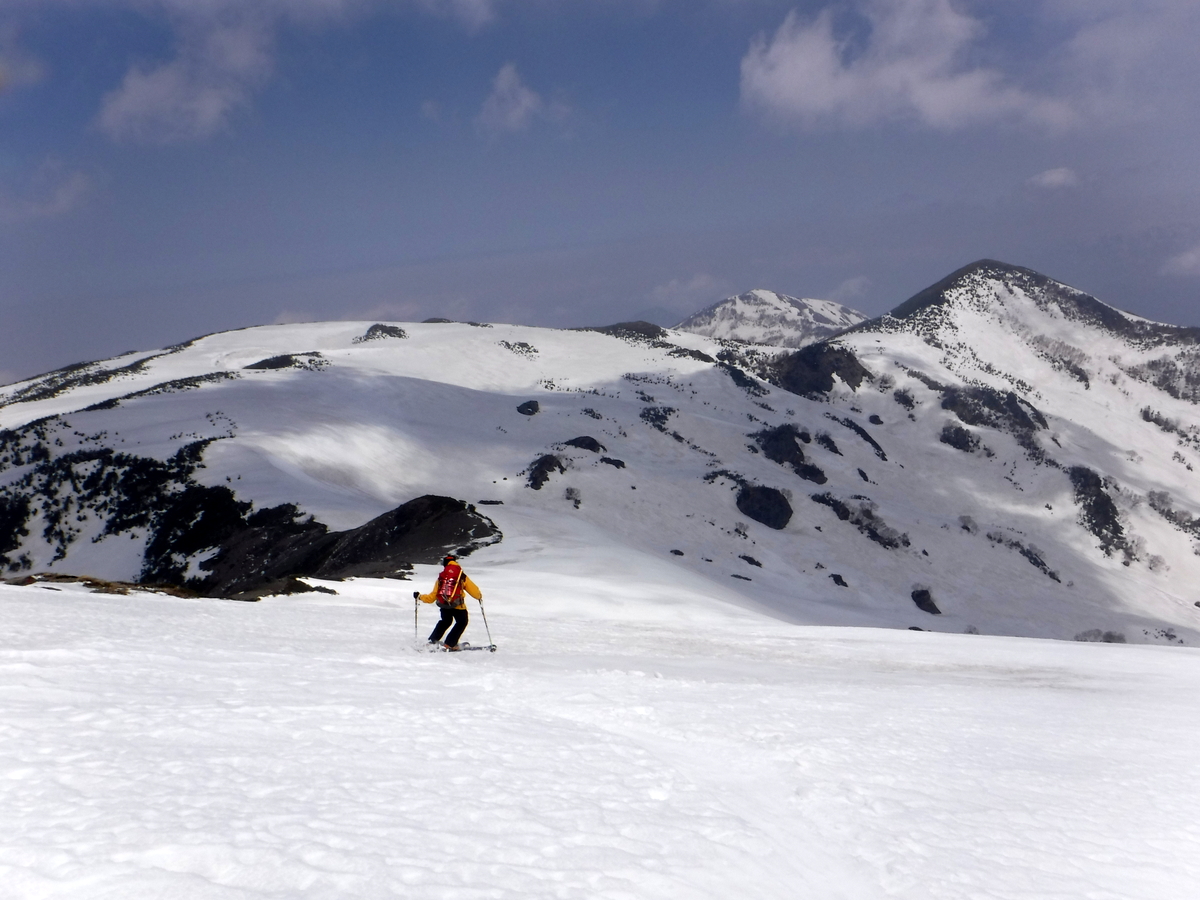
[51,191]
[1054,179]
[851,290]
[511,106]
[17,68]
[225,56]
[913,66]
[218,68]
[1186,263]
[686,295]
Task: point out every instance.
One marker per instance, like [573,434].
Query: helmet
[449,558]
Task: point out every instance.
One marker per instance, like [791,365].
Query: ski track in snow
[156,747]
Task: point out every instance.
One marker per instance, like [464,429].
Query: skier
[447,593]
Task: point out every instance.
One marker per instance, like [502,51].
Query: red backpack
[449,585]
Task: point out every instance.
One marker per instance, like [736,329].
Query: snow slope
[765,317]
[1067,508]
[636,735]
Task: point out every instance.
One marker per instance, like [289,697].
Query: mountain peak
[761,316]
[983,283]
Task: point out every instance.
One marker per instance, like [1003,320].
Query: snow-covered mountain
[1000,454]
[765,317]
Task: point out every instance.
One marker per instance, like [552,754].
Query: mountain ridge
[842,483]
[766,317]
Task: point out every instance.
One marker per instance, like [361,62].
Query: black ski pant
[458,617]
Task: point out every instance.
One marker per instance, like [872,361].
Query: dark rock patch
[491,502]
[585,442]
[861,432]
[644,331]
[1095,635]
[277,544]
[1030,552]
[521,348]
[874,419]
[863,476]
[529,408]
[861,514]
[810,370]
[742,380]
[688,353]
[615,463]
[750,559]
[741,577]
[14,515]
[437,320]
[904,398]
[978,405]
[378,332]
[542,468]
[308,361]
[167,387]
[657,417]
[85,374]
[677,553]
[1097,512]
[924,600]
[764,504]
[959,438]
[838,580]
[828,443]
[779,445]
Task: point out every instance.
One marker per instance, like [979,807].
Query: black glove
[416,595]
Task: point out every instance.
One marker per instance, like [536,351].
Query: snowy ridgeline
[635,737]
[765,317]
[1002,454]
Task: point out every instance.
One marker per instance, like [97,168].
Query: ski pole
[416,606]
[491,643]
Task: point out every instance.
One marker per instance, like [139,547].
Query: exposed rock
[529,408]
[959,438]
[378,332]
[645,331]
[860,431]
[810,370]
[924,600]
[1096,635]
[615,463]
[541,469]
[585,442]
[766,505]
[860,513]
[1097,512]
[780,445]
[275,544]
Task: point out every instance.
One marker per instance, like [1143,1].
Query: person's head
[449,558]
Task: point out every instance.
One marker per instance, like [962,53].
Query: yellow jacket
[464,584]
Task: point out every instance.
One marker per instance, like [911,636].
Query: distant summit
[765,317]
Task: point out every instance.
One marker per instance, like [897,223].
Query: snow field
[630,739]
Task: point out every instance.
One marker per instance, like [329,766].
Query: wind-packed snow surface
[765,317]
[635,736]
[1002,454]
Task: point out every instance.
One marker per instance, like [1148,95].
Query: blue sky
[174,167]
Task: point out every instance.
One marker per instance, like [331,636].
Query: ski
[439,648]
